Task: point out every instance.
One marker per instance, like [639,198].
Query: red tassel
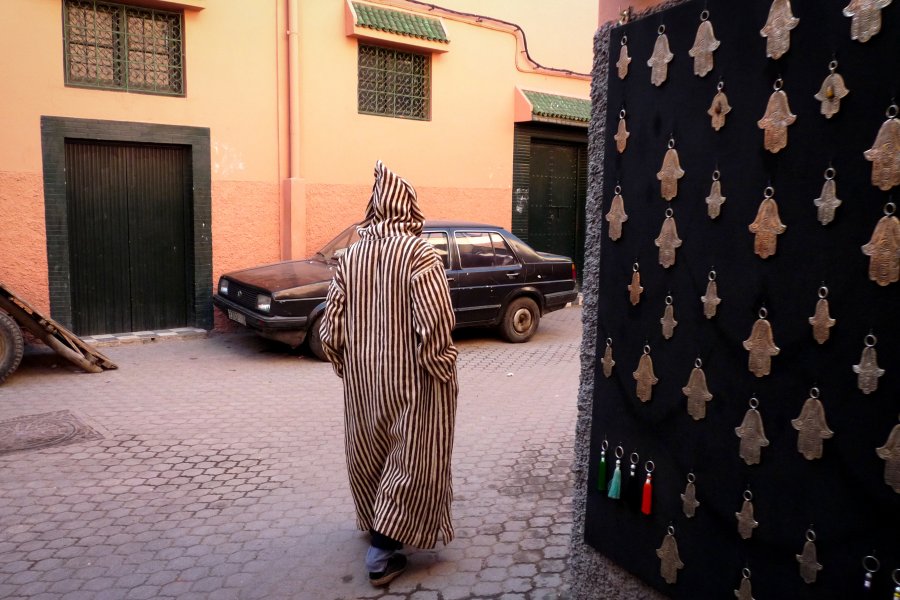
[647,499]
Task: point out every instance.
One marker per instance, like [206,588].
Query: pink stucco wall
[23,240]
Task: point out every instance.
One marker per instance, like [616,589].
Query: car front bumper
[290,330]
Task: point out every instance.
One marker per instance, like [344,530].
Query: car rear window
[483,249]
[438,240]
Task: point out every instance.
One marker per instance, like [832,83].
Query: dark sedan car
[495,279]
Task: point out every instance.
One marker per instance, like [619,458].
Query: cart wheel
[11,346]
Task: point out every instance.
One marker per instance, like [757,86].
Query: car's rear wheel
[520,320]
[314,340]
[11,346]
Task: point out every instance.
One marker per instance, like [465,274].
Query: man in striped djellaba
[386,330]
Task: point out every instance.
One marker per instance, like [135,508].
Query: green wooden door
[556,199]
[130,241]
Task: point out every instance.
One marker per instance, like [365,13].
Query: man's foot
[395,566]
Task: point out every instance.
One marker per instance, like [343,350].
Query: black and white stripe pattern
[386,331]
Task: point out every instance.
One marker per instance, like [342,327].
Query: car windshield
[336,247]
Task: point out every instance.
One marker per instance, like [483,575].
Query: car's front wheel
[520,320]
[314,340]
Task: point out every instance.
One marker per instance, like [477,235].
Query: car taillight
[574,275]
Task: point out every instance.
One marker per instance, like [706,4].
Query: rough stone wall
[591,574]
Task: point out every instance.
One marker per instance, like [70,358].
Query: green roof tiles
[402,23]
[559,107]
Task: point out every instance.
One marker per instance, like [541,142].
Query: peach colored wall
[236,82]
[23,240]
[330,202]
[609,9]
[466,146]
[253,205]
[232,71]
[560,33]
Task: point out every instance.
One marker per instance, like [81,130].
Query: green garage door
[130,242]
[555,209]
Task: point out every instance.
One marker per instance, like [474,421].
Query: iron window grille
[112,46]
[394,83]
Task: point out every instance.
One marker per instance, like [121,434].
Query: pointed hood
[393,208]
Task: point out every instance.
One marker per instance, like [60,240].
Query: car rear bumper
[290,330]
[558,300]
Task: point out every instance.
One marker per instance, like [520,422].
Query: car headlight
[264,303]
[223,287]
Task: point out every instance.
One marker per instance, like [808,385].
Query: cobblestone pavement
[213,469]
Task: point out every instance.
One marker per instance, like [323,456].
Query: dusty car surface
[495,279]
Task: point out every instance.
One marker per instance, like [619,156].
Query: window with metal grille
[120,47]
[394,83]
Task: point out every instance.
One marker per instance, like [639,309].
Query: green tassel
[615,486]
[601,478]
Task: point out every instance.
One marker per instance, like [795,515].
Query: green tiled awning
[559,107]
[402,23]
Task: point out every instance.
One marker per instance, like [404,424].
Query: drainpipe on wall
[294,227]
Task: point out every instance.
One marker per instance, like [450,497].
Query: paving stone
[254,502]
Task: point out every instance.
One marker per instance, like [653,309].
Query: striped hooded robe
[386,330]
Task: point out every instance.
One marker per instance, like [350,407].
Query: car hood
[289,279]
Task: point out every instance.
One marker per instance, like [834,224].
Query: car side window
[503,255]
[440,243]
[475,249]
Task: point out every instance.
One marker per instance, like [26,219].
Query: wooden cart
[16,314]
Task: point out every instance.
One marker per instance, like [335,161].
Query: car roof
[459,224]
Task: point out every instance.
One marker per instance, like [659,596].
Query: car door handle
[512,275]
[450,279]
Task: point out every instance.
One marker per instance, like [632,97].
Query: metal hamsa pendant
[746,522]
[689,502]
[828,201]
[715,200]
[670,173]
[890,453]
[711,298]
[670,562]
[719,107]
[668,319]
[767,226]
[697,393]
[775,121]
[660,59]
[868,370]
[812,427]
[831,92]
[866,18]
[645,377]
[634,288]
[607,360]
[616,215]
[705,43]
[745,591]
[885,152]
[761,345]
[624,59]
[622,134]
[777,29]
[668,240]
[809,564]
[821,321]
[883,251]
[752,434]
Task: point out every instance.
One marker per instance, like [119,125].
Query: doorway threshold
[145,337]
